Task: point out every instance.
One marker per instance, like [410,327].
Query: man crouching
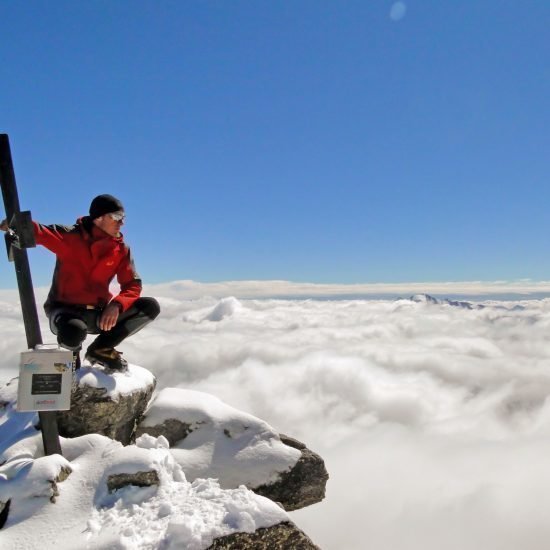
[89,255]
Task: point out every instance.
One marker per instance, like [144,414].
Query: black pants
[71,324]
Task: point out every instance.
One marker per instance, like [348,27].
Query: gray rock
[303,485]
[93,411]
[139,479]
[283,536]
[172,429]
[4,512]
[64,473]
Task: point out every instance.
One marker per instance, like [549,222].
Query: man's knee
[70,331]
[149,306]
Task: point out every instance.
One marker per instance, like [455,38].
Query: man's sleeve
[129,281]
[52,236]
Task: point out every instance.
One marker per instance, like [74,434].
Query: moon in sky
[398,11]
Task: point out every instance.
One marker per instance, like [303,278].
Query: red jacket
[87,261]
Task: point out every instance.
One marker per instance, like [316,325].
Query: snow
[233,446]
[80,512]
[115,383]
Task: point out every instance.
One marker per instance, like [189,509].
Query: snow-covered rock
[423,299]
[27,483]
[427,299]
[146,494]
[86,512]
[222,442]
[108,404]
[303,485]
[210,438]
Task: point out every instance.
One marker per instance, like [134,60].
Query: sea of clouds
[433,419]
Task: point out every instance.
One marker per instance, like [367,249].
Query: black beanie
[104,204]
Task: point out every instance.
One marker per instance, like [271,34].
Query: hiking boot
[108,357]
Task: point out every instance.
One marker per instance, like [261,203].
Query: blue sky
[320,141]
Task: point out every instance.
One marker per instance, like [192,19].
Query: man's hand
[4,225]
[109,316]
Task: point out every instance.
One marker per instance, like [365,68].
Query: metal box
[45,379]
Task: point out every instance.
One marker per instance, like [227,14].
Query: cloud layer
[433,419]
[187,289]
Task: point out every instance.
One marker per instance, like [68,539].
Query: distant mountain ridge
[427,299]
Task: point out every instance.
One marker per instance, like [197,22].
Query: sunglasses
[118,216]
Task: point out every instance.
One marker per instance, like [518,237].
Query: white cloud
[187,289]
[433,419]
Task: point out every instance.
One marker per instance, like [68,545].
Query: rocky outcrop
[303,485]
[283,536]
[97,409]
[189,419]
[175,434]
[427,299]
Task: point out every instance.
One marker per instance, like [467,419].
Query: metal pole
[48,419]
